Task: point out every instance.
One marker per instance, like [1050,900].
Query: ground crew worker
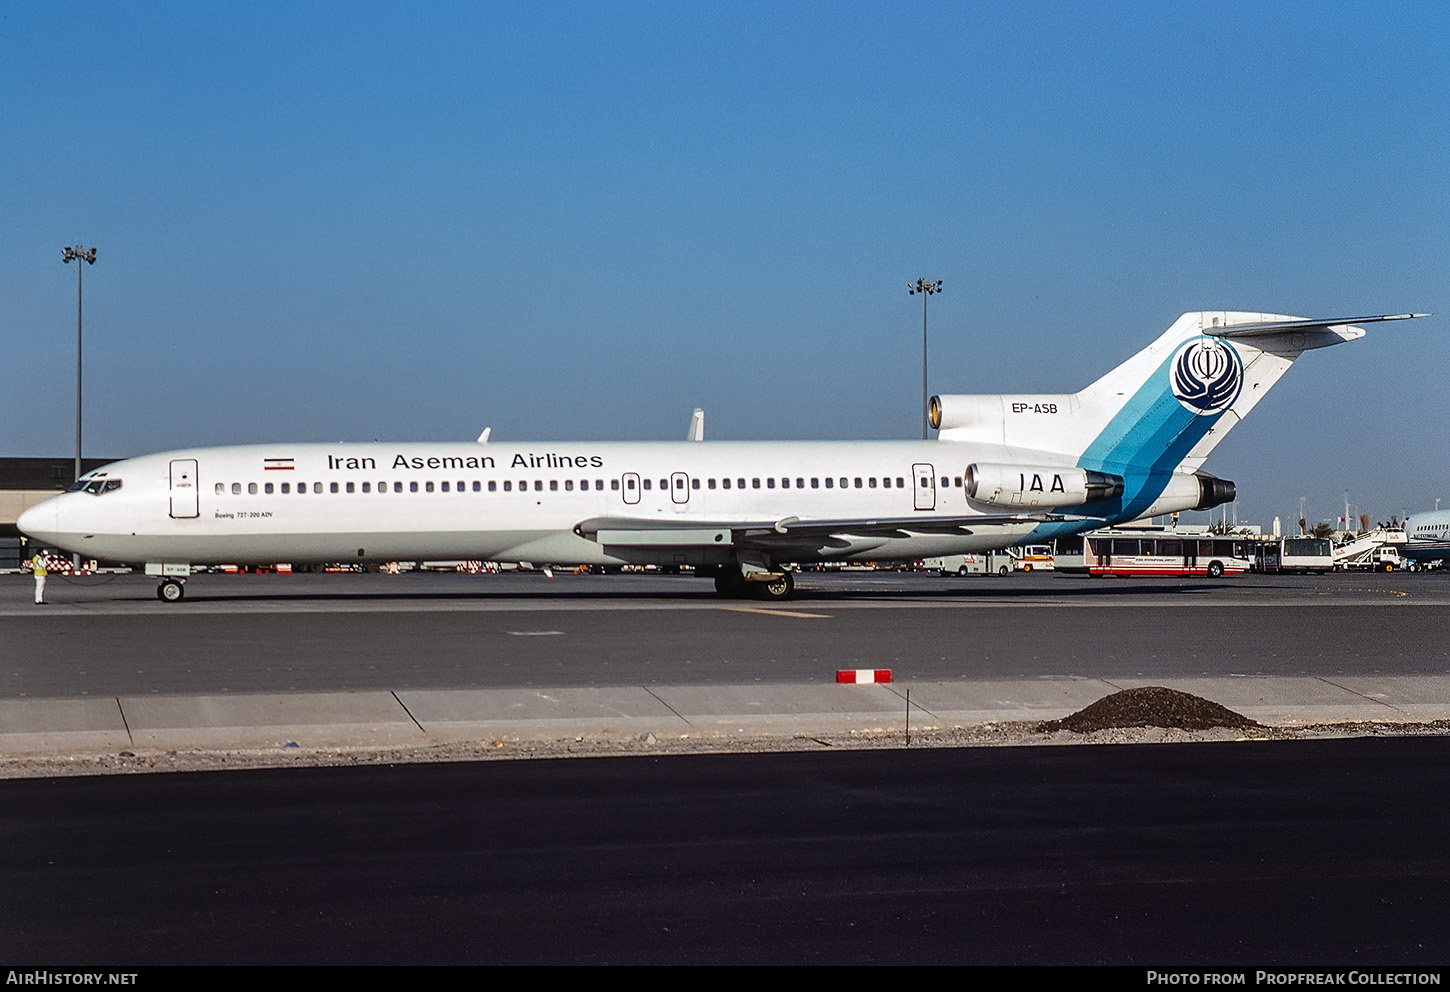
[37,568]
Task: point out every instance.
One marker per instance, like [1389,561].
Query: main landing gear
[731,581]
[171,590]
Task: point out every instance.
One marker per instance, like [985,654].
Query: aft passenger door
[184,503]
[923,484]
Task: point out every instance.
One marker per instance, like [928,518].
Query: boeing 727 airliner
[1004,470]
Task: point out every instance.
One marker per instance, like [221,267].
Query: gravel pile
[1150,706]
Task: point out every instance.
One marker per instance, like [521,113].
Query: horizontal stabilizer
[1280,326]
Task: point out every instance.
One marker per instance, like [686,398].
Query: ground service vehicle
[1295,554]
[980,563]
[1156,551]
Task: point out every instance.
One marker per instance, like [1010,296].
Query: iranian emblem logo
[1207,376]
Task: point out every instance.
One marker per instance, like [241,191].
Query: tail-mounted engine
[1035,485]
[1213,491]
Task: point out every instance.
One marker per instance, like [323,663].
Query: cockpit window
[96,487]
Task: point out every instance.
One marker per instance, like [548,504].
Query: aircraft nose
[39,521]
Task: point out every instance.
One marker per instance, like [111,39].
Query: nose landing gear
[171,590]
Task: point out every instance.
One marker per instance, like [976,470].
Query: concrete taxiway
[417,660]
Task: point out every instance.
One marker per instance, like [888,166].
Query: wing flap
[645,532]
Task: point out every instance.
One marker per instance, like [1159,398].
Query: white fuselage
[1427,536]
[506,502]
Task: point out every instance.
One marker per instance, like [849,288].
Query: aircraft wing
[653,532]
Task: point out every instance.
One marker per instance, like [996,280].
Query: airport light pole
[926,288]
[78,255]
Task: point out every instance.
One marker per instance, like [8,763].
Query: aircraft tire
[776,589]
[170,591]
[729,582]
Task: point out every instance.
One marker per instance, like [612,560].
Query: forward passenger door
[184,502]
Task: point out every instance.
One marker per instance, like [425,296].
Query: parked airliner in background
[1427,537]
[1005,470]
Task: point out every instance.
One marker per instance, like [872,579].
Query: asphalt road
[1328,852]
[109,636]
[1292,854]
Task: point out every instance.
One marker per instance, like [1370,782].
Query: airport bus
[1295,554]
[1155,551]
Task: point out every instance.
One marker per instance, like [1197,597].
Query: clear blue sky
[410,221]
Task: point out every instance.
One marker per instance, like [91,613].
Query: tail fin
[1165,408]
